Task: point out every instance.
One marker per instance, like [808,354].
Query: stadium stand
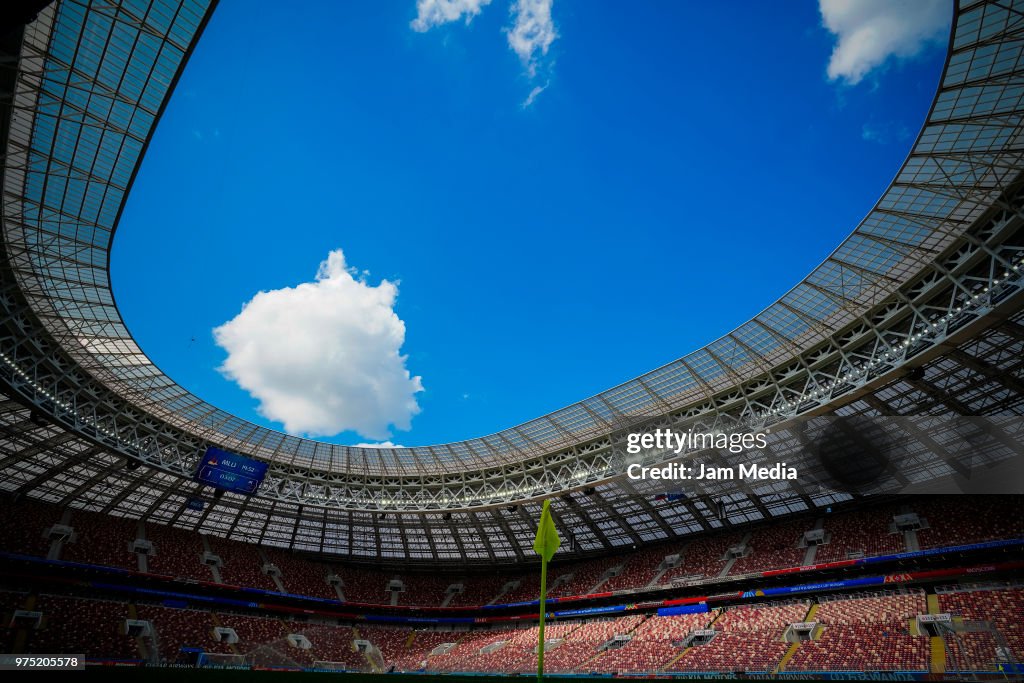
[329,644]
[585,575]
[253,632]
[1003,608]
[390,642]
[242,564]
[863,647]
[528,589]
[754,618]
[747,638]
[363,585]
[870,633]
[704,557]
[917,314]
[729,651]
[95,628]
[967,519]
[175,629]
[856,633]
[582,643]
[23,526]
[479,589]
[655,644]
[302,576]
[773,547]
[335,644]
[9,602]
[971,652]
[859,534]
[420,644]
[176,553]
[101,539]
[572,654]
[884,608]
[640,569]
[469,647]
[424,589]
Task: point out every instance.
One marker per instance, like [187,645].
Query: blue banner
[811,587]
[699,608]
[589,610]
[942,551]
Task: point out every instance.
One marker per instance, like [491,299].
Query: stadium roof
[930,278]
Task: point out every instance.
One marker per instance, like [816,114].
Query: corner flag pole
[540,634]
[545,545]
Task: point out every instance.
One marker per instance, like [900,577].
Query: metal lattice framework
[930,278]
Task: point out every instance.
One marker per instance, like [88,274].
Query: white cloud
[381,444]
[530,35]
[532,32]
[431,13]
[324,357]
[533,95]
[871,31]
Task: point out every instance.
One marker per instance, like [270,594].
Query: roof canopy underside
[934,267]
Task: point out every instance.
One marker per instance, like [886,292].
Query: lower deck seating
[253,632]
[175,629]
[863,647]
[867,633]
[748,638]
[420,645]
[862,633]
[95,628]
[999,609]
[971,652]
[465,655]
[333,644]
[735,651]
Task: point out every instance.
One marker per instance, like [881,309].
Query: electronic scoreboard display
[230,471]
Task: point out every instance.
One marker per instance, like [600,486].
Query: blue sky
[679,167]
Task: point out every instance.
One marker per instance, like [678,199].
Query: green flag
[545,545]
[547,540]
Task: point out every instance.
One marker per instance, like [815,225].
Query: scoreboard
[230,471]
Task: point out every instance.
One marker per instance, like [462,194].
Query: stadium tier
[872,632]
[83,537]
[829,629]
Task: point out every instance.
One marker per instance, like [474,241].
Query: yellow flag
[547,540]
